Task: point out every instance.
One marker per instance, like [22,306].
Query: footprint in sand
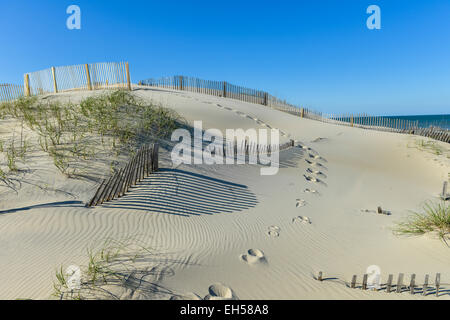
[219,291]
[300,203]
[274,231]
[254,256]
[305,147]
[220,106]
[319,139]
[316,172]
[314,163]
[317,157]
[311,191]
[301,219]
[311,178]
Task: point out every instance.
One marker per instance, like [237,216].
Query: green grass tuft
[100,127]
[435,218]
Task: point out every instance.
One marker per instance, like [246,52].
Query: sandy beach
[250,236]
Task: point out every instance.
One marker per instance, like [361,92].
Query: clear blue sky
[314,53]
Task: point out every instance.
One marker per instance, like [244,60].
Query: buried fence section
[399,287]
[142,164]
[145,162]
[246,149]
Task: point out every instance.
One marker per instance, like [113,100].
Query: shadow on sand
[73,203]
[179,192]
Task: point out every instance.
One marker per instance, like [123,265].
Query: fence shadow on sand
[183,193]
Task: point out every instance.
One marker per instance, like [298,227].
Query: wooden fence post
[412,284]
[55,86]
[224,89]
[353,284]
[389,283]
[88,77]
[437,283]
[128,76]
[445,196]
[425,285]
[155,157]
[181,82]
[364,283]
[96,194]
[351,120]
[27,85]
[400,283]
[302,112]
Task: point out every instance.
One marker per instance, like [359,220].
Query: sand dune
[225,231]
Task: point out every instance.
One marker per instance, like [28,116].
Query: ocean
[425,121]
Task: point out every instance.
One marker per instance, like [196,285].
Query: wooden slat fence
[10,92]
[364,121]
[105,75]
[231,148]
[215,88]
[144,163]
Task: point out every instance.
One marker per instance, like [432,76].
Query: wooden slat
[400,283]
[412,283]
[437,283]
[353,283]
[94,198]
[389,283]
[425,285]
[364,283]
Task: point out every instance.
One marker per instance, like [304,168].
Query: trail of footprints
[314,173]
[258,121]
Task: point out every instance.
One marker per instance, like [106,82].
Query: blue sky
[318,53]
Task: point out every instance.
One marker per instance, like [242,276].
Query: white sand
[205,219]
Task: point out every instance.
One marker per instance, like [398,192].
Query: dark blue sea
[425,121]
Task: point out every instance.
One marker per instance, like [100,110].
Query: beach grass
[105,125]
[434,218]
[109,267]
[429,146]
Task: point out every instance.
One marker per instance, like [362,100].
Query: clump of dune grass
[100,127]
[13,154]
[435,218]
[429,146]
[113,267]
